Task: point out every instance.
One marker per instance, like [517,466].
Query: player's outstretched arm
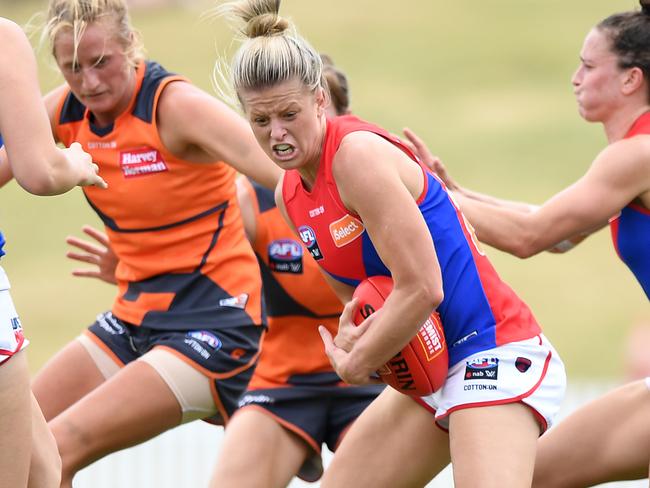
[417,145]
[618,175]
[435,164]
[36,163]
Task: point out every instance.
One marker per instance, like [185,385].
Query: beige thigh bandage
[105,363]
[189,385]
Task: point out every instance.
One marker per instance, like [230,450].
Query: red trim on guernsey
[639,208]
[613,227]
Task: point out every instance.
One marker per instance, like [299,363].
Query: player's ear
[633,80]
[322,100]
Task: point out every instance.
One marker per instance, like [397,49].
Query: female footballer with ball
[363,206]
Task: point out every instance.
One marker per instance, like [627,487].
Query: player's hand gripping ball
[421,367]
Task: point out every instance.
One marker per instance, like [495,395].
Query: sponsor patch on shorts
[15,324]
[197,347]
[109,324]
[207,337]
[482,369]
[479,387]
[255,399]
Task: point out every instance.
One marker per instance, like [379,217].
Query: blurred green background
[486,84]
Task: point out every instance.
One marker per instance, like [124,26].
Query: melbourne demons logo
[285,256]
[308,238]
[141,161]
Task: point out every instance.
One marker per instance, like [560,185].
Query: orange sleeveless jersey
[298,300]
[184,261]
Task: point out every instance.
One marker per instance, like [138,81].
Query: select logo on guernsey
[141,162]
[345,230]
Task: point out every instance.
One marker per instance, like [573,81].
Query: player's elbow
[526,246]
[430,291]
[45,174]
[41,183]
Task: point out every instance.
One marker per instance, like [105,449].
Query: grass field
[487,84]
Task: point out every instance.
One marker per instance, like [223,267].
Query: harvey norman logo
[345,230]
[141,162]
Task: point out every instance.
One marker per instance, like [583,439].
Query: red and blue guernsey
[479,311]
[631,229]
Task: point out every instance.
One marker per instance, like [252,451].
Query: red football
[421,367]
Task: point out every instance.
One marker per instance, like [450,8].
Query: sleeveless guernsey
[479,311]
[184,261]
[631,229]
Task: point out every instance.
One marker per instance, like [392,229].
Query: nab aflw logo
[141,161]
[285,256]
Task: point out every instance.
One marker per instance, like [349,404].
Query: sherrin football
[421,367]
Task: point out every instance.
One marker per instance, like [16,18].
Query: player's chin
[288,163]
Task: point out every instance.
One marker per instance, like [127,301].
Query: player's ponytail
[272,52]
[629,34]
[260,17]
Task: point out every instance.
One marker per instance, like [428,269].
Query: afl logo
[285,250]
[483,363]
[285,256]
[307,235]
[207,337]
[482,369]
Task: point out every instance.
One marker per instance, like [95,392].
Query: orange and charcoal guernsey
[175,225]
[298,300]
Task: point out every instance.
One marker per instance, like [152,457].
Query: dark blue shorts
[228,356]
[317,414]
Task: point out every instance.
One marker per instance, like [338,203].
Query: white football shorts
[528,371]
[12,339]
